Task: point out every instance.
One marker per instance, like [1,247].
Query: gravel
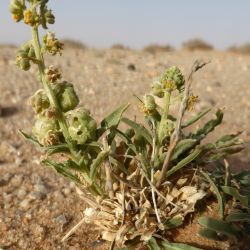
[36,206]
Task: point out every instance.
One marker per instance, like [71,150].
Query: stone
[37,195]
[21,193]
[25,204]
[17,180]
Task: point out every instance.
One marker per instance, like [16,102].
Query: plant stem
[164,117]
[54,102]
[52,98]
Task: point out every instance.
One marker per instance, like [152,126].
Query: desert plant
[139,183]
[155,48]
[73,44]
[243,49]
[196,44]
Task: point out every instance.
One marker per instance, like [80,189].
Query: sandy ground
[36,206]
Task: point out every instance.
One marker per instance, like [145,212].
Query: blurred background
[136,24]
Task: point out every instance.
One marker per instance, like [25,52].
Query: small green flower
[47,131]
[82,127]
[31,17]
[66,96]
[39,101]
[17,8]
[172,78]
[157,89]
[148,106]
[52,44]
[149,103]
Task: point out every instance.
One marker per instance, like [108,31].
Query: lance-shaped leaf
[192,156]
[182,147]
[238,217]
[209,126]
[173,222]
[153,245]
[195,118]
[177,246]
[54,149]
[244,200]
[209,234]
[30,138]
[102,156]
[119,164]
[139,129]
[220,226]
[61,169]
[217,193]
[112,120]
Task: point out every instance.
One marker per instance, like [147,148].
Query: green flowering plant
[142,182]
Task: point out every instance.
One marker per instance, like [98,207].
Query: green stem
[54,102]
[164,117]
[52,98]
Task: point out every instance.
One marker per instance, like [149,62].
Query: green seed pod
[47,131]
[23,64]
[82,127]
[39,101]
[149,103]
[157,90]
[49,17]
[172,78]
[66,96]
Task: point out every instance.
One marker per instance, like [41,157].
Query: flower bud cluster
[33,16]
[191,101]
[53,74]
[169,81]
[51,44]
[17,8]
[148,106]
[25,55]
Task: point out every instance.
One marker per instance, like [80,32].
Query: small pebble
[21,193]
[131,67]
[25,204]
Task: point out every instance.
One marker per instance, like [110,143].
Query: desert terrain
[37,207]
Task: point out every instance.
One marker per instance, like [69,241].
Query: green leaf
[152,244]
[228,140]
[238,217]
[139,129]
[97,163]
[192,156]
[177,246]
[209,234]
[217,193]
[173,222]
[195,118]
[220,226]
[112,120]
[60,168]
[61,148]
[244,200]
[183,146]
[30,138]
[120,165]
[209,126]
